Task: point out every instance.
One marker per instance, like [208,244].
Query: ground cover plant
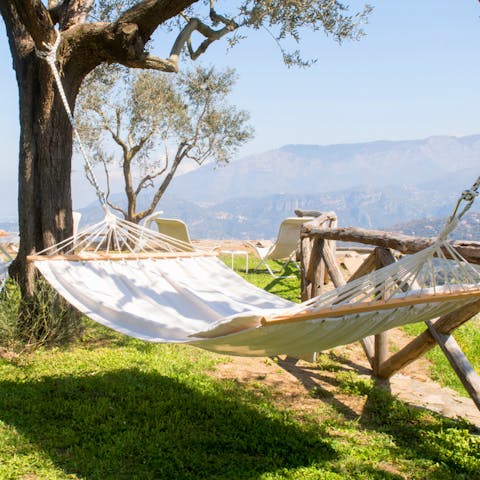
[111,407]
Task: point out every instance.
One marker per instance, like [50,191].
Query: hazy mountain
[251,217]
[9,226]
[371,185]
[467,229]
[314,169]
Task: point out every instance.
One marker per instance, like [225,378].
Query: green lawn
[112,407]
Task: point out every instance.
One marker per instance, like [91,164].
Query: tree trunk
[45,207]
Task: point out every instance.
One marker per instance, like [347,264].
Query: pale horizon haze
[414,75]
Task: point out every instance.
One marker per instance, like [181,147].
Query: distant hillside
[9,226]
[371,185]
[251,218]
[315,169]
[468,228]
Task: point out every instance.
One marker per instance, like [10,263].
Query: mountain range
[372,185]
[316,169]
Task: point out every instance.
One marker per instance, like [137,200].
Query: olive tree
[157,121]
[118,32]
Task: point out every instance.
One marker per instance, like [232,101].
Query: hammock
[144,284]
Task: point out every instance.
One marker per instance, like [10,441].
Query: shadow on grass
[136,425]
[453,446]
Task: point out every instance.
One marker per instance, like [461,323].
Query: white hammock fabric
[194,298]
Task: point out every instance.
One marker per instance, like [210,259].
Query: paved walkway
[432,396]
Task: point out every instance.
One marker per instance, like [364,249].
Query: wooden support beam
[459,362]
[338,280]
[368,345]
[425,341]
[331,264]
[381,351]
[305,256]
[368,266]
[402,243]
[316,268]
[383,257]
[470,295]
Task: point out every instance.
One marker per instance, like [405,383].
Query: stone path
[431,395]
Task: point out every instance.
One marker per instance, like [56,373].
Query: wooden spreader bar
[87,256]
[364,307]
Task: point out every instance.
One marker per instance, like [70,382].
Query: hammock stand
[118,256]
[318,262]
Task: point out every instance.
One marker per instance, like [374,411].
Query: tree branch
[195,24]
[136,148]
[180,155]
[71,12]
[149,14]
[149,179]
[114,135]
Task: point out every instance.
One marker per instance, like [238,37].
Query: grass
[112,407]
[468,338]
[286,286]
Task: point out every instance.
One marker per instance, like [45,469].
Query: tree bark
[45,208]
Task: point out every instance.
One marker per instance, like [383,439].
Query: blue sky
[414,75]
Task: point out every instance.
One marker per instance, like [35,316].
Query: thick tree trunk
[45,208]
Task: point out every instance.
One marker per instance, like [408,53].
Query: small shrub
[455,447]
[350,383]
[46,319]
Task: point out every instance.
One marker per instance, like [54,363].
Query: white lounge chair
[173,228]
[284,246]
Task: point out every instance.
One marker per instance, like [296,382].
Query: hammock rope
[49,54]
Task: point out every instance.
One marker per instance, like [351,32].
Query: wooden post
[336,275]
[332,268]
[425,341]
[332,246]
[459,362]
[316,268]
[383,257]
[312,266]
[366,267]
[381,351]
[305,254]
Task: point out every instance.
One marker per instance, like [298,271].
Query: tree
[158,121]
[118,33]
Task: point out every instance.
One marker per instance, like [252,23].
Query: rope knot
[469,195]
[49,52]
